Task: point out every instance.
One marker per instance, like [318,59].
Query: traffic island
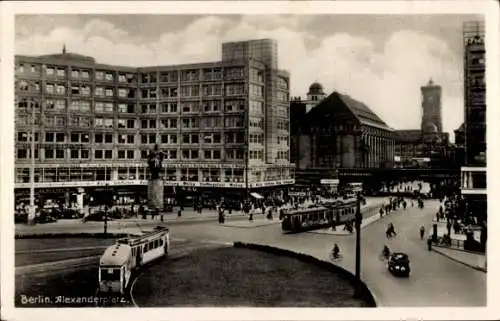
[244,275]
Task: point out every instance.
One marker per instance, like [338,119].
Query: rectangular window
[60,153]
[49,88]
[108,154]
[60,89]
[99,75]
[49,137]
[74,153]
[99,91]
[49,153]
[98,138]
[98,154]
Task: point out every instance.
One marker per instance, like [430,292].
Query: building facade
[338,133]
[222,125]
[474,169]
[428,146]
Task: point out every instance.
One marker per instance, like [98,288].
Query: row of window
[282,111]
[256,107]
[256,90]
[186,154]
[123,77]
[62,174]
[193,75]
[256,122]
[256,75]
[256,138]
[282,155]
[149,93]
[206,138]
[256,154]
[283,124]
[282,96]
[103,122]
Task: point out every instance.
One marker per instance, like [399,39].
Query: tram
[130,253]
[330,213]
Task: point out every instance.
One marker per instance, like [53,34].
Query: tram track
[179,247]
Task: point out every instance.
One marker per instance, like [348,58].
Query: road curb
[475,267]
[366,295]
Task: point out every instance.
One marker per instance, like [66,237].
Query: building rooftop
[461,128]
[408,135]
[359,110]
[316,89]
[362,112]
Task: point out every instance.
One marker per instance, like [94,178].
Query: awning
[256,195]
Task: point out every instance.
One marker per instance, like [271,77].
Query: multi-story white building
[221,125]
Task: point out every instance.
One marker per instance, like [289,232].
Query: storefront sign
[82,184]
[326,181]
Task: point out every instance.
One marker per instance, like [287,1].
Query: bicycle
[336,259]
[384,257]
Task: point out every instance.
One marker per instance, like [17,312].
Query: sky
[380,60]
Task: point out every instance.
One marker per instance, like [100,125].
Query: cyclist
[336,251]
[386,252]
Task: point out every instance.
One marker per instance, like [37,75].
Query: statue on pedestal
[155,184]
[155,158]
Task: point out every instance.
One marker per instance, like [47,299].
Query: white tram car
[129,253]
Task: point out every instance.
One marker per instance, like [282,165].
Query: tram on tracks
[128,254]
[328,214]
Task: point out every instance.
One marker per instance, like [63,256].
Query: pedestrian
[252,211]
[422,232]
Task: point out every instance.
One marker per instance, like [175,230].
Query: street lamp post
[108,202]
[247,150]
[357,292]
[31,214]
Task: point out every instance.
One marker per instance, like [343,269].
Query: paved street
[435,280]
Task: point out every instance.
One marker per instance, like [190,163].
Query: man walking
[422,232]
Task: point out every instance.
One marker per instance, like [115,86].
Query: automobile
[98,216]
[44,217]
[399,264]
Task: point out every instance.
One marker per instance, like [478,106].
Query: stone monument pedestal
[155,194]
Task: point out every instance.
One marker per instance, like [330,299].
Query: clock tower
[431,110]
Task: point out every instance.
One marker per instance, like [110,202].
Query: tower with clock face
[432,125]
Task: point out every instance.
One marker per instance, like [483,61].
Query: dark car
[399,264]
[44,217]
[98,216]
